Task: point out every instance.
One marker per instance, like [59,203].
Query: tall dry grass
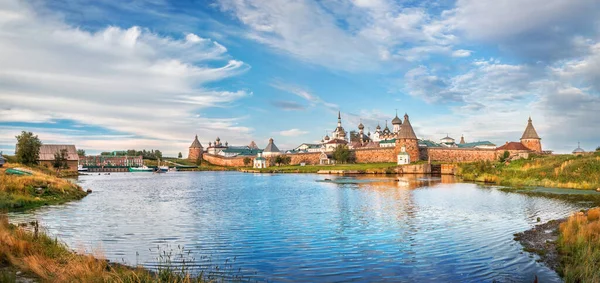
[579,245]
[23,192]
[51,261]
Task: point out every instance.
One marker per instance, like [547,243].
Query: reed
[49,260]
[579,245]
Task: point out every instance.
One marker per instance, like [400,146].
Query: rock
[598,190]
[89,191]
[38,190]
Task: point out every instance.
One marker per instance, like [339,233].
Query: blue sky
[153,73]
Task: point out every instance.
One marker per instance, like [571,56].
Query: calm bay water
[289,227]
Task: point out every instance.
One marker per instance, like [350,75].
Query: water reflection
[295,228]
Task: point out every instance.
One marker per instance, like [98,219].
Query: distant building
[233,151]
[216,147]
[260,161]
[448,142]
[479,144]
[403,157]
[326,159]
[253,145]
[108,160]
[307,147]
[531,139]
[195,150]
[578,150]
[271,149]
[47,152]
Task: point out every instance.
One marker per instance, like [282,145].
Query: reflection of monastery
[399,144]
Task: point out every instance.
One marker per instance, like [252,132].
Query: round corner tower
[407,139]
[196,150]
[530,138]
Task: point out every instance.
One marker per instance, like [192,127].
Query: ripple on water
[289,228]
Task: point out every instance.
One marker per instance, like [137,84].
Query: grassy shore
[552,171]
[41,258]
[579,245]
[41,188]
[360,167]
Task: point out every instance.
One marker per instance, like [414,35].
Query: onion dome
[326,137]
[378,127]
[218,139]
[578,149]
[396,120]
[361,126]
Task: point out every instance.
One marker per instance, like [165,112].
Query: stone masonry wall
[194,154]
[533,144]
[374,155]
[311,158]
[460,154]
[224,161]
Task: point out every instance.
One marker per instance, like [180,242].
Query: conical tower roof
[530,132]
[196,143]
[271,147]
[252,145]
[406,131]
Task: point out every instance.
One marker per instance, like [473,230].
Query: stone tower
[530,138]
[407,139]
[196,150]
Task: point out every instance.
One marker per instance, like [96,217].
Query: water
[289,227]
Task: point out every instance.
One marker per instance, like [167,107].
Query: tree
[60,160]
[247,161]
[286,160]
[81,152]
[28,148]
[504,156]
[180,155]
[278,160]
[341,154]
[354,136]
[598,148]
[157,154]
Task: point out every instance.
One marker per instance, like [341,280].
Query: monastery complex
[399,144]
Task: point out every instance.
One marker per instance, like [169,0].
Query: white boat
[80,168]
[140,169]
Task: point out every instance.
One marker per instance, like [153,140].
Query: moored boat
[141,169]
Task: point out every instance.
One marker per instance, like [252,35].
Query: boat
[80,168]
[18,172]
[141,169]
[163,168]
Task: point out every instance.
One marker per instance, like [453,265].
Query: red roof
[513,146]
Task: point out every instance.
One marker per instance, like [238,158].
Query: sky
[151,74]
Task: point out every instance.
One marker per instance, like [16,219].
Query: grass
[40,256]
[553,171]
[360,167]
[26,192]
[579,245]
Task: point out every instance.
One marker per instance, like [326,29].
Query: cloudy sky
[151,74]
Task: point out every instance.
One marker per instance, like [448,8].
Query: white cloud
[534,30]
[293,133]
[126,80]
[353,36]
[461,53]
[314,100]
